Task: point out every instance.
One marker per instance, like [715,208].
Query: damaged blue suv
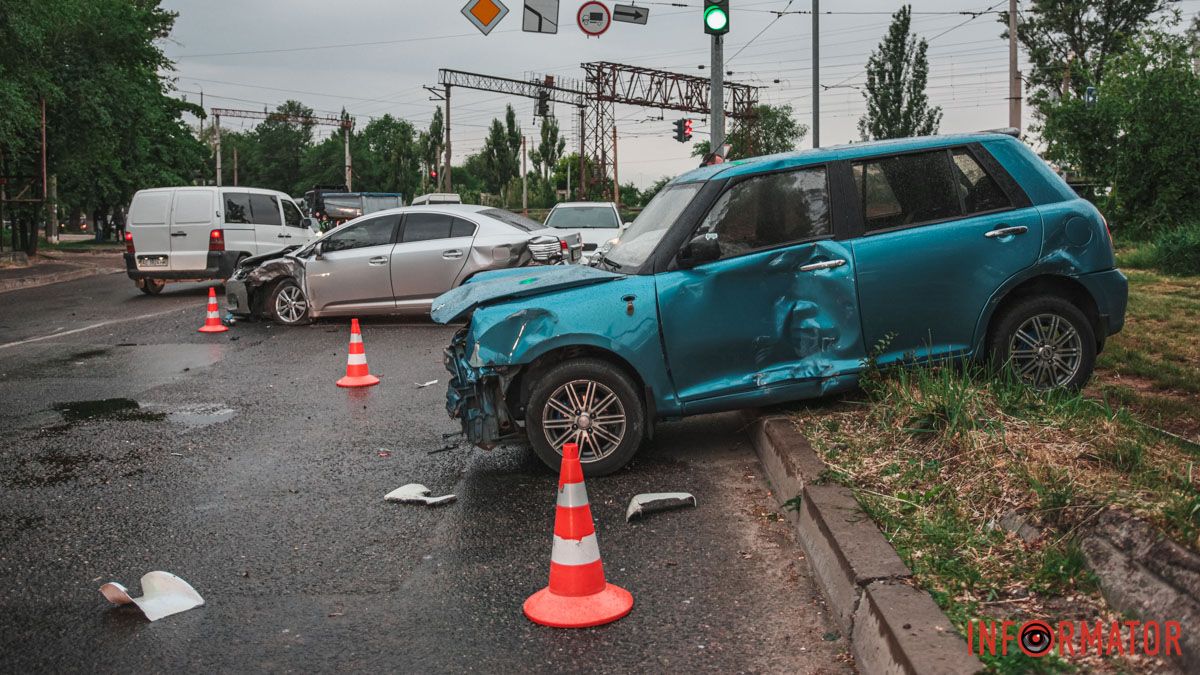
[768,280]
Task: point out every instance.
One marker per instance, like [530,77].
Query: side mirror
[311,224]
[701,249]
[625,226]
[317,251]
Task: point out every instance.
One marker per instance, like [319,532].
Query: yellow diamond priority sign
[485,14]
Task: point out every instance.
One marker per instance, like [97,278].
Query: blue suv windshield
[637,243]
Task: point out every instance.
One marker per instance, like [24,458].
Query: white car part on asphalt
[657,501]
[426,384]
[415,493]
[163,594]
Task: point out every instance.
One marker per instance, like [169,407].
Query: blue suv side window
[906,190]
[979,192]
[770,210]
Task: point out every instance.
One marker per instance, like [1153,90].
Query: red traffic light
[433,173]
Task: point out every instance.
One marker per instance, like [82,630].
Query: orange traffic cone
[357,374]
[212,321]
[578,595]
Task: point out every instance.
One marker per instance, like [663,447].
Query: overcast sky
[373,56]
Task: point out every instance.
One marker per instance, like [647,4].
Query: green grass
[939,456]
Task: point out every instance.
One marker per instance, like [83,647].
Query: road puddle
[123,409]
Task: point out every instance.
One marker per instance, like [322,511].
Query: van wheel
[590,402]
[1047,341]
[287,305]
[151,286]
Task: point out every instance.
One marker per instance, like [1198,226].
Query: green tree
[112,125]
[772,129]
[501,154]
[1072,42]
[654,189]
[282,140]
[897,106]
[550,147]
[1141,136]
[432,144]
[392,157]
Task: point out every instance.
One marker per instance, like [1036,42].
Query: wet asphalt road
[236,463]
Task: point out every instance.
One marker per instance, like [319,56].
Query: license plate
[152,261]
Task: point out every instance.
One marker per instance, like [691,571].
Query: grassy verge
[81,246]
[1152,366]
[944,461]
[948,461]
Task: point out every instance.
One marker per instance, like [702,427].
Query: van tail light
[129,243]
[216,241]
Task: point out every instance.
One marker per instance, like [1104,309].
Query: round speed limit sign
[594,18]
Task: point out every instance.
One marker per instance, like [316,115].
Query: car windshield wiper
[603,260]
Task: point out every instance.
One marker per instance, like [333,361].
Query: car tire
[282,304]
[604,447]
[151,286]
[1047,341]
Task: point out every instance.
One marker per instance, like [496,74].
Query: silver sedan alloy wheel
[585,412]
[1046,351]
[290,304]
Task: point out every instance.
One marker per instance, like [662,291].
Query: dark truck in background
[334,205]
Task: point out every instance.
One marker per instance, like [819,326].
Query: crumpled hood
[516,283]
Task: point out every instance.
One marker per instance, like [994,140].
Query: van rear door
[193,219]
[149,215]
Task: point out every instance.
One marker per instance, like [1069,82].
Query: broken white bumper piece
[415,493]
[657,501]
[163,594]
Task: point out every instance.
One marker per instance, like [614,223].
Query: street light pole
[816,67]
[1014,75]
[717,96]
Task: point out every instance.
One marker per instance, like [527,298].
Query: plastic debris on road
[415,493]
[163,594]
[427,384]
[657,501]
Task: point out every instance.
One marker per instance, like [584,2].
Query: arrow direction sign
[541,16]
[631,14]
[485,14]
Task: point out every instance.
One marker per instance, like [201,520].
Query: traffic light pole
[717,96]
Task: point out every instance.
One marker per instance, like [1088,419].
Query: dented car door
[776,315]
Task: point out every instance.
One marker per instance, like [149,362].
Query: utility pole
[235,180]
[217,136]
[49,189]
[717,96]
[1014,75]
[816,83]
[446,171]
[568,181]
[349,166]
[616,179]
[582,166]
[524,181]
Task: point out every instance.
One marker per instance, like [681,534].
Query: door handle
[1006,231]
[179,234]
[284,236]
[378,260]
[827,265]
[452,254]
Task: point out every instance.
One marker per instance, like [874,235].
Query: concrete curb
[45,280]
[893,627]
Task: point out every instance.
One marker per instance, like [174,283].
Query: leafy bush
[1178,251]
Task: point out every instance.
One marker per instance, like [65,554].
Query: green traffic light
[716,18]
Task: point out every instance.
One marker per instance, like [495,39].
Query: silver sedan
[392,262]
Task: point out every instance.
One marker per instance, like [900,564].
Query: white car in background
[597,223]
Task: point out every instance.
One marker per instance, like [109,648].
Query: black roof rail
[1007,131]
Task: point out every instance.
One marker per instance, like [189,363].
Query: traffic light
[716,17]
[683,130]
[543,104]
[433,173]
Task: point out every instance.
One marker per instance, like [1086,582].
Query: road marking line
[93,326]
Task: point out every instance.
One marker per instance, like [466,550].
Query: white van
[200,233]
